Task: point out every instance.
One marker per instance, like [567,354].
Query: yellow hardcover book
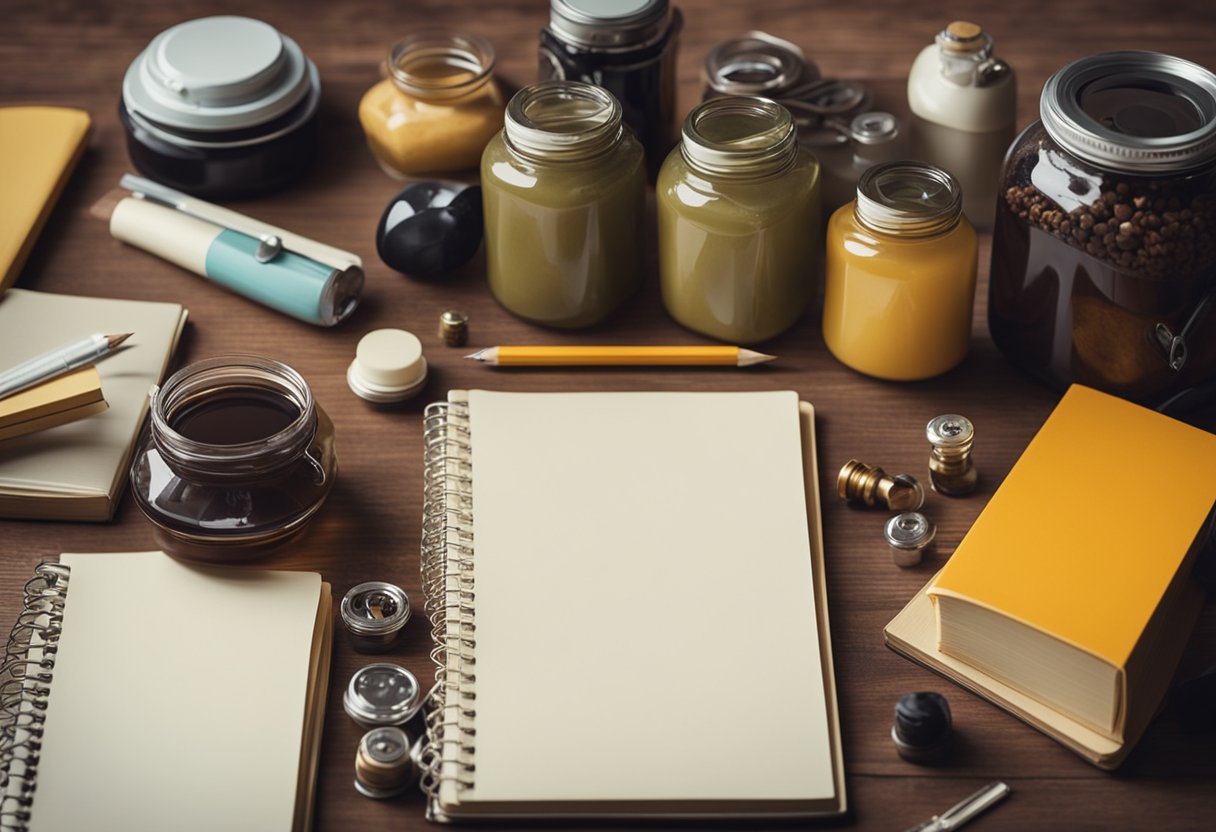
[39,148]
[56,402]
[1070,586]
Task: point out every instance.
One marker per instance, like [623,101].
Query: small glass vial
[563,186]
[900,274]
[237,457]
[738,205]
[384,766]
[374,614]
[627,47]
[909,535]
[964,111]
[437,108]
[951,471]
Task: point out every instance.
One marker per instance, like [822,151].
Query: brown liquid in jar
[246,415]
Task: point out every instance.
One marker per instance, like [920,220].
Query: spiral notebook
[138,693]
[628,604]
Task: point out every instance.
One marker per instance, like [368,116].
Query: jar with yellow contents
[900,279]
[438,107]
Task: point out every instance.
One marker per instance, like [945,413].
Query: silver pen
[965,810]
[60,360]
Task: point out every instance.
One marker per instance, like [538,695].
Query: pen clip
[272,240]
[968,808]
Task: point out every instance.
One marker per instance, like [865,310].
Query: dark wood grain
[74,54]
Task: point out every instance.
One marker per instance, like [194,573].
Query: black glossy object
[430,228]
[922,727]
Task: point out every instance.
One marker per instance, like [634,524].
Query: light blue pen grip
[294,285]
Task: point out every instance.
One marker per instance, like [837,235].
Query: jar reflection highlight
[236,458]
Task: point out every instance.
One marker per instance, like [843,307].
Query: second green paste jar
[563,187]
[738,205]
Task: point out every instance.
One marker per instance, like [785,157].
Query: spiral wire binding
[25,679]
[447,586]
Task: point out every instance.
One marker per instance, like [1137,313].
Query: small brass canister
[950,469]
[870,485]
[384,766]
[454,328]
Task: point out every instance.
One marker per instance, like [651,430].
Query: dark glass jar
[221,107]
[1104,251]
[628,48]
[236,458]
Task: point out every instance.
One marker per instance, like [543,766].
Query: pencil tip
[476,356]
[115,340]
[750,357]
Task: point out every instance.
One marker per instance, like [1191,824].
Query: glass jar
[900,277]
[563,188]
[627,47]
[437,108]
[738,205]
[1104,251]
[236,458]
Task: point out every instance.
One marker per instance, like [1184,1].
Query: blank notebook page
[645,612]
[178,698]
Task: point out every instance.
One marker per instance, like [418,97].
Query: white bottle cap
[388,366]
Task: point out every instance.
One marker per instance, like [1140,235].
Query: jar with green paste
[563,190]
[738,206]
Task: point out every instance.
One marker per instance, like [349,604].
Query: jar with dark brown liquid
[236,459]
[1104,251]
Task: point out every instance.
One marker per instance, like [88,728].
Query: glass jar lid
[1139,112]
[219,74]
[382,694]
[908,199]
[608,23]
[441,64]
[757,64]
[739,136]
[562,121]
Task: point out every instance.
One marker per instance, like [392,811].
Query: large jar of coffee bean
[1104,250]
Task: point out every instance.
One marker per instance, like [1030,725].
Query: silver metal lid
[757,64]
[910,530]
[739,136]
[608,23]
[382,694]
[217,74]
[375,607]
[950,431]
[1139,112]
[909,199]
[875,127]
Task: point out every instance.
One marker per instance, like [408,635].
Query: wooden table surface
[73,54]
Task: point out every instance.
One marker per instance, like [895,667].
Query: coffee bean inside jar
[1104,251]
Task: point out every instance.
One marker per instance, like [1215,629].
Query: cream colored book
[77,471]
[628,600]
[55,402]
[176,697]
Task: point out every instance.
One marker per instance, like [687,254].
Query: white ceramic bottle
[964,110]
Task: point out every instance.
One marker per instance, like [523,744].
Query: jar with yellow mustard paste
[563,190]
[900,274]
[738,206]
[437,108]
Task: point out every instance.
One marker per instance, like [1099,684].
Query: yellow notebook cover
[1091,526]
[61,400]
[39,148]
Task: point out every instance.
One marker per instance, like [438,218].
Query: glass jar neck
[908,199]
[441,64]
[562,121]
[739,137]
[229,378]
